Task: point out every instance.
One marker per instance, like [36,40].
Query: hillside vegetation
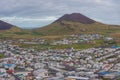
[67,28]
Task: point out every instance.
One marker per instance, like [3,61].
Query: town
[96,63]
[60,40]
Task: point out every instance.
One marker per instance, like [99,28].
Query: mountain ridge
[75,17]
[5,25]
[68,24]
[75,23]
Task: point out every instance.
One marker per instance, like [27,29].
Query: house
[42,73]
[76,78]
[108,39]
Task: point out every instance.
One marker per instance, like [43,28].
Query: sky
[38,13]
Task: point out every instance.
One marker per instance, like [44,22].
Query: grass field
[1,55]
[95,43]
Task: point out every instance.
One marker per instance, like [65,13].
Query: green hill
[76,24]
[8,30]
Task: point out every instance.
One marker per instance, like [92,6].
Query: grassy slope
[16,32]
[56,30]
[77,28]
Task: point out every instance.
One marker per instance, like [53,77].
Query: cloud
[29,22]
[41,10]
[21,19]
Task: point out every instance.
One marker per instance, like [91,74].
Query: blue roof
[9,65]
[115,46]
[104,73]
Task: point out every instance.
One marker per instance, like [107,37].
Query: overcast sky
[37,13]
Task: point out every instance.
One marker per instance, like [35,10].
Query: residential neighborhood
[20,63]
[60,40]
[78,39]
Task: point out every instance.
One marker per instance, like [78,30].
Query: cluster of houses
[32,41]
[71,39]
[64,64]
[78,39]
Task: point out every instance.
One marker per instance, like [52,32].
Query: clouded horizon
[37,13]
